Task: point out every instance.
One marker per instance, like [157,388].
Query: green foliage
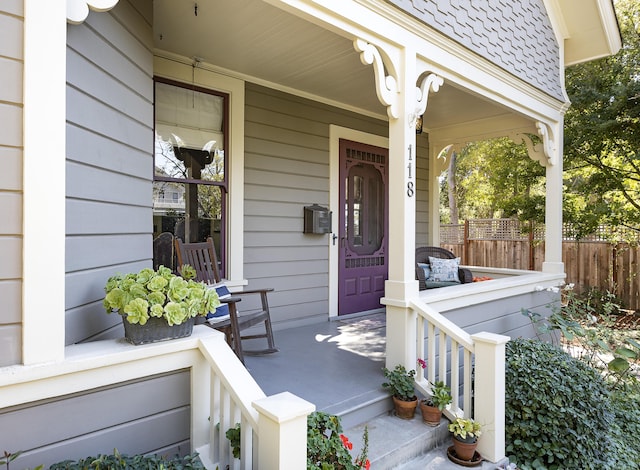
[328,448]
[118,461]
[233,434]
[9,457]
[586,325]
[558,410]
[626,427]
[496,178]
[602,142]
[400,382]
[160,294]
[466,430]
[440,395]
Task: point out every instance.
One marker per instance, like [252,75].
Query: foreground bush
[558,411]
[119,461]
[328,448]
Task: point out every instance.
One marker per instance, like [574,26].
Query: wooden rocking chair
[202,257]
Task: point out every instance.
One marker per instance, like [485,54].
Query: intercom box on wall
[317,219]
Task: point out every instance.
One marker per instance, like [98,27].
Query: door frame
[335,134]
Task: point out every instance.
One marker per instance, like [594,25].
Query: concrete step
[402,444]
[394,441]
[361,408]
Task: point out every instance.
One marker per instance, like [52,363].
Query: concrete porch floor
[325,363]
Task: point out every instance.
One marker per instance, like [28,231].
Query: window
[190,178]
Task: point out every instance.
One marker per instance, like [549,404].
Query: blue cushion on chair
[426,268]
[444,270]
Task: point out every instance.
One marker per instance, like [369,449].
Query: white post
[490,393]
[553,206]
[401,285]
[282,431]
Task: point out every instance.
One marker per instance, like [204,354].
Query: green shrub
[118,461]
[328,448]
[558,410]
[625,431]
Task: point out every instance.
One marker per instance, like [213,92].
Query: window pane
[189,139]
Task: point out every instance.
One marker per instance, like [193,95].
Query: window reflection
[189,188]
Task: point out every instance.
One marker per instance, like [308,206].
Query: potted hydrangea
[158,305]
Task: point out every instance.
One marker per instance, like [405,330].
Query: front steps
[394,441]
[405,444]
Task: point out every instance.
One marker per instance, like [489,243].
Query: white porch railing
[223,393]
[266,423]
[472,366]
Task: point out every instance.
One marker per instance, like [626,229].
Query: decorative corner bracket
[386,85]
[78,10]
[547,154]
[444,157]
[431,81]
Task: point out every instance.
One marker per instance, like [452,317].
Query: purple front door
[362,226]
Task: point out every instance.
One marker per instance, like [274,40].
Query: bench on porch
[447,273]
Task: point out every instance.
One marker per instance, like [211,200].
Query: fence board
[592,263]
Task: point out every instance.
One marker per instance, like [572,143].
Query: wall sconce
[419,125]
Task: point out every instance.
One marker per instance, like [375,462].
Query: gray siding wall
[109,160]
[504,316]
[97,421]
[286,168]
[11,152]
[423,173]
[516,36]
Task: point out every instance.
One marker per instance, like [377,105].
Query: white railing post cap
[491,338]
[283,407]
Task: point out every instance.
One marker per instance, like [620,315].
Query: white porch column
[553,209]
[401,285]
[396,74]
[43,242]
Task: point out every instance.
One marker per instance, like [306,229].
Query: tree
[602,133]
[496,178]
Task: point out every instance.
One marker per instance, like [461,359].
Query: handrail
[476,383]
[265,422]
[443,323]
[232,391]
[449,337]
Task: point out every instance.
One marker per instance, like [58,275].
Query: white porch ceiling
[263,43]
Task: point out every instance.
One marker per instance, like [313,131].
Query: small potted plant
[158,305]
[465,437]
[433,406]
[400,383]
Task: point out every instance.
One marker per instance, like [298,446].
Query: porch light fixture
[419,125]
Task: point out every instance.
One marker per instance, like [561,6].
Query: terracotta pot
[405,409]
[430,414]
[464,450]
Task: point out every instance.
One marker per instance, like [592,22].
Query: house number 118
[410,189]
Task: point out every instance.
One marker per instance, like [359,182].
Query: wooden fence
[607,260]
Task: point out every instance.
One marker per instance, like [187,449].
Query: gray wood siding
[503,316]
[11,154]
[287,168]
[109,160]
[422,189]
[97,421]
